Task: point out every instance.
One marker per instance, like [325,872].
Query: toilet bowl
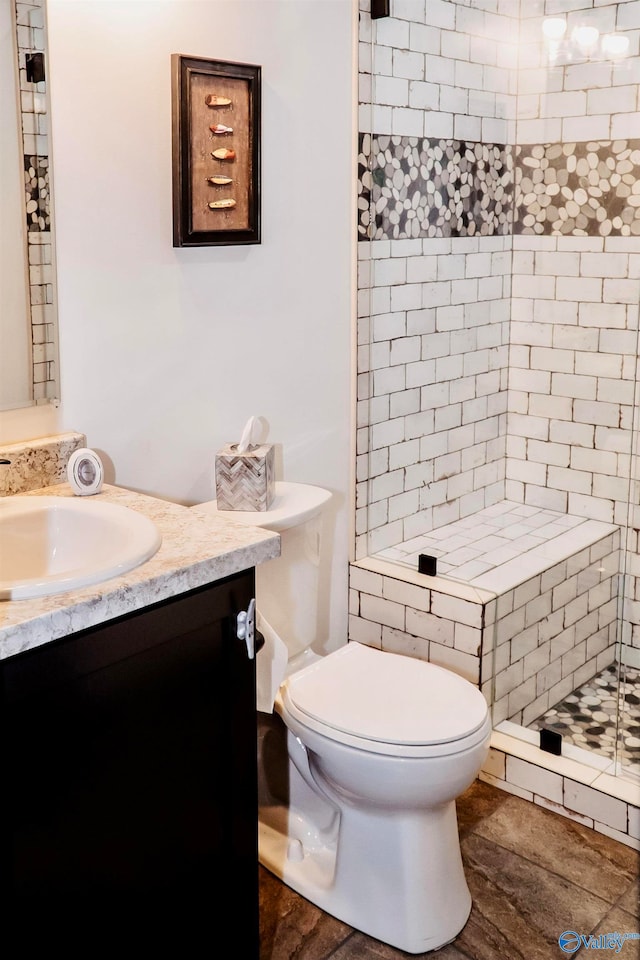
[387,743]
[359,770]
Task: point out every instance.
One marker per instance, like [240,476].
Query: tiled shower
[498,309]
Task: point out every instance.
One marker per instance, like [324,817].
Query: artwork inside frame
[216,151]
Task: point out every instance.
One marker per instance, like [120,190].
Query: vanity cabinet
[129,783]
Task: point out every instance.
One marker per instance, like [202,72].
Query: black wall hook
[34,63]
[379,8]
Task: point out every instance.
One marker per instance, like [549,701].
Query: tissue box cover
[245,481]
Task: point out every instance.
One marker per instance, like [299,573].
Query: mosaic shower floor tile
[587,717]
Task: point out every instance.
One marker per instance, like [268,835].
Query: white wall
[166,352]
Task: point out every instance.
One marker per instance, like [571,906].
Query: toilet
[361,759]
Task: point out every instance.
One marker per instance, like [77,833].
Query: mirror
[28,315]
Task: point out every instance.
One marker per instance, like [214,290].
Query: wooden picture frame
[216,151]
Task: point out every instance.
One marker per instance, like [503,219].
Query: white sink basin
[52,544]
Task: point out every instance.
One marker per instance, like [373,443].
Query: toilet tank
[287,587]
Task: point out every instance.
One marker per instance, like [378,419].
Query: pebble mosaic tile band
[437,188]
[580,189]
[410,188]
[36,180]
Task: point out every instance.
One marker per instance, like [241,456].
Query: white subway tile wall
[568,616]
[580,791]
[500,281]
[539,641]
[499,289]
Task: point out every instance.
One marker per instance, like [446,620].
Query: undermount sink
[52,544]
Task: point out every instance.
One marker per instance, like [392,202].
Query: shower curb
[584,792]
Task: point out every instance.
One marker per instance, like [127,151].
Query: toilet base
[309,873]
[393,873]
[415,900]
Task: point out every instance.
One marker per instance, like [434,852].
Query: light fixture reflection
[615,45]
[586,38]
[554,28]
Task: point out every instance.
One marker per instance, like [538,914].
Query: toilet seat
[386,703]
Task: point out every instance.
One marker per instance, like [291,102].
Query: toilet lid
[387,698]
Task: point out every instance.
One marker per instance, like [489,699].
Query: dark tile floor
[532,874]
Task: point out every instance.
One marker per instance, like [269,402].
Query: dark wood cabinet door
[129,781]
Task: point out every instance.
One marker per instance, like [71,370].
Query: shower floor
[587,717]
[502,545]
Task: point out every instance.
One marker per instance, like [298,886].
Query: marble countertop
[196,549]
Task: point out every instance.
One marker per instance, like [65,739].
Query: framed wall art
[216,151]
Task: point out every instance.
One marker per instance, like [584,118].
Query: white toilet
[362,761]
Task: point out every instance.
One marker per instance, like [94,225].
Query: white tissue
[247,439]
[271,666]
